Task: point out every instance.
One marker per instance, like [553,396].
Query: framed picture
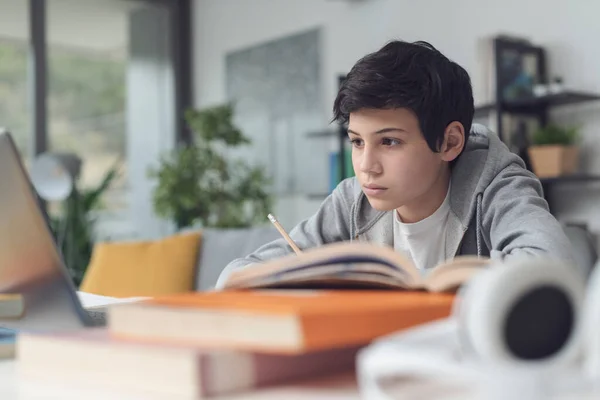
[519,67]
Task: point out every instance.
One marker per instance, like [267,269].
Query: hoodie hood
[484,156]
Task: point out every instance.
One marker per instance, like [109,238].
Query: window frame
[181,33]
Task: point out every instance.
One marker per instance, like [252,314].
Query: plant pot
[550,161]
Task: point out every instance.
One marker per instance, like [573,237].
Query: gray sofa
[220,246]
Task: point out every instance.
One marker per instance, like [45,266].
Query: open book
[354,265]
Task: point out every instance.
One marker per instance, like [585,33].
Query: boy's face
[395,166]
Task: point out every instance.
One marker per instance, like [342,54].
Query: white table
[12,387]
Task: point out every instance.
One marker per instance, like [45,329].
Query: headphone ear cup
[466,295]
[591,324]
[526,310]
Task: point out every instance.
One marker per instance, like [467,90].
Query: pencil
[284,233]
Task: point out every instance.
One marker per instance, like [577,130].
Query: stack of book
[205,344]
[12,306]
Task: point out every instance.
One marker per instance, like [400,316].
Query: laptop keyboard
[98,317]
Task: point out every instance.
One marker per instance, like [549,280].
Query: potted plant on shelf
[554,151]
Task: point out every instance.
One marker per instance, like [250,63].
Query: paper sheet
[89,300]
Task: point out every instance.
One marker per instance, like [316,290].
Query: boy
[427,183]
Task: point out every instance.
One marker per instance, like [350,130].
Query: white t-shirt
[424,241]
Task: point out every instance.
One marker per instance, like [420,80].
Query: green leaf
[197,183]
[73,229]
[555,135]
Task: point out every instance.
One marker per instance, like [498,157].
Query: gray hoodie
[496,210]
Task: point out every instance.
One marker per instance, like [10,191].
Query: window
[14,89]
[108,81]
[87,69]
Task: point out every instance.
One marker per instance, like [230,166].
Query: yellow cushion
[143,268]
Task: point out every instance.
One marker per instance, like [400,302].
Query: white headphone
[519,317]
[523,311]
[591,327]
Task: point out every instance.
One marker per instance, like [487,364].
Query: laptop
[30,262]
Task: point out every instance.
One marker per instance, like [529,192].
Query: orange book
[293,321]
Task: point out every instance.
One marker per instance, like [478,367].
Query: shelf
[570,178]
[484,109]
[327,133]
[535,104]
[317,196]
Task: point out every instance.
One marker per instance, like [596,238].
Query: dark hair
[415,76]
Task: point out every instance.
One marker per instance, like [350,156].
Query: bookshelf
[505,101]
[523,101]
[518,98]
[538,104]
[340,134]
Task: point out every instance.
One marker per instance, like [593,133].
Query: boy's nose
[369,164]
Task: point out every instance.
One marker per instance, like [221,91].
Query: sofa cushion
[221,246]
[143,268]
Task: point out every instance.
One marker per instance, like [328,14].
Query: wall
[351,29]
[150,113]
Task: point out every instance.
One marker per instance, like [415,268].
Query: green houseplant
[554,151]
[198,183]
[73,225]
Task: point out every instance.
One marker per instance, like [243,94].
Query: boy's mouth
[373,190]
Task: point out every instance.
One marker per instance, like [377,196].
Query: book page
[453,273]
[90,300]
[342,257]
[331,279]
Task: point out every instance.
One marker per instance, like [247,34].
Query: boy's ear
[454,141]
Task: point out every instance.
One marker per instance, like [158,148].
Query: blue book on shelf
[334,168]
[8,341]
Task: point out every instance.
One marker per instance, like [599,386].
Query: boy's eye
[356,142]
[390,142]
